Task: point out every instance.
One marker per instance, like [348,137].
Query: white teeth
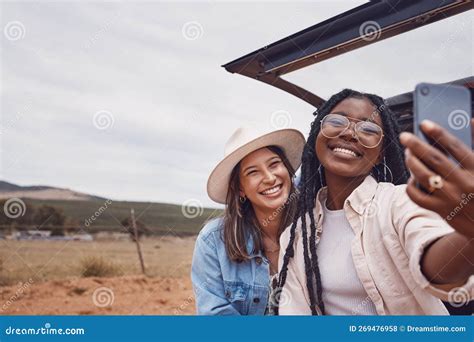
[272,190]
[343,150]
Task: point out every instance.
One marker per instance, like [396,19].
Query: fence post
[135,234]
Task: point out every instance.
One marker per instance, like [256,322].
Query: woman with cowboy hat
[236,255]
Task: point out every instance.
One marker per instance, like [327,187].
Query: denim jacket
[225,287]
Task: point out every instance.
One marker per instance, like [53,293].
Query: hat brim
[291,141]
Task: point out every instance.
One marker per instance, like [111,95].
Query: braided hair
[312,180]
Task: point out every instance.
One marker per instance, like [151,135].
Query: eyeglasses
[367,133]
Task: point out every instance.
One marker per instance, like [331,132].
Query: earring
[385,168]
[242,199]
[320,175]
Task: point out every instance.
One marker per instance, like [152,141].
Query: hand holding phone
[454,199]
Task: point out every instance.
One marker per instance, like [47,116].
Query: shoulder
[393,193]
[286,234]
[211,228]
[394,199]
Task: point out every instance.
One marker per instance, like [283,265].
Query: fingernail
[404,136]
[428,124]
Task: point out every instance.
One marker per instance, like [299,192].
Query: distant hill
[159,218]
[41,192]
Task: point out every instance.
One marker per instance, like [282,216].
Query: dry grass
[93,266]
[51,260]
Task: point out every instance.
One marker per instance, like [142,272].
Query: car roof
[341,34]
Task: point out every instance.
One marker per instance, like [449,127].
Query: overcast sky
[128,101]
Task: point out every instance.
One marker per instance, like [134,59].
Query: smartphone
[447,105]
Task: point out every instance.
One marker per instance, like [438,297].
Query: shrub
[98,267]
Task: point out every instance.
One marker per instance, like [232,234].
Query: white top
[343,293]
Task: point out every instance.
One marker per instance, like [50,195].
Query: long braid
[307,259]
[312,180]
[290,250]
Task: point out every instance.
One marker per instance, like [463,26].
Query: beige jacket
[391,233]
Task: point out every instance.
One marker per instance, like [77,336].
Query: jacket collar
[361,197]
[358,200]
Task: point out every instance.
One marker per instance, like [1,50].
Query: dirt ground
[44,278]
[127,295]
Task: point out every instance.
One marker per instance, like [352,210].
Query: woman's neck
[339,188]
[269,222]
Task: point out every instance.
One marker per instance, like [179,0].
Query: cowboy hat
[244,141]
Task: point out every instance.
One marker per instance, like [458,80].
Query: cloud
[173,106]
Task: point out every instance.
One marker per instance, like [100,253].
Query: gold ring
[436,182]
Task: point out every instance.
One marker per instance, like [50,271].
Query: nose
[269,177]
[349,133]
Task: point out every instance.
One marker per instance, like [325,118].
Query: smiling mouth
[345,151]
[272,190]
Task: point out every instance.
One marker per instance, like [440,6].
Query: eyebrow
[369,118]
[254,166]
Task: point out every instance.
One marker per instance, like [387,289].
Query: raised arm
[450,259]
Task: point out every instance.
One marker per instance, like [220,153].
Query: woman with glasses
[358,244]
